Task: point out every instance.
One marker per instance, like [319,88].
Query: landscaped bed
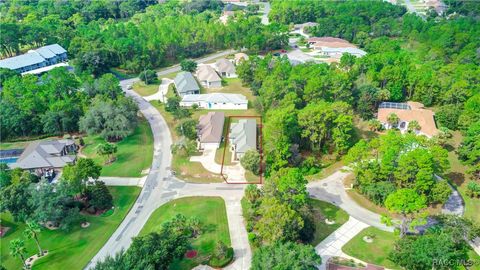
[73,249]
[212,215]
[135,152]
[321,211]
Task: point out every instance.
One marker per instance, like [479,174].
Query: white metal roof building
[216,101]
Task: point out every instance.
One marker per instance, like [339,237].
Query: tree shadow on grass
[457,178]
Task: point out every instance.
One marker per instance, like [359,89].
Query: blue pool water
[8,160]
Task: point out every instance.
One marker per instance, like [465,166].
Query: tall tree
[18,250]
[286,256]
[406,202]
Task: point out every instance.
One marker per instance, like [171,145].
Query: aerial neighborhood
[230,134]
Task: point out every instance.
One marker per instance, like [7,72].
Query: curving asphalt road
[160,187]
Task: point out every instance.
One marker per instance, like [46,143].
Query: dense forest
[130,34]
[433,61]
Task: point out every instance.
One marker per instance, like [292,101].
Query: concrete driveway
[332,245]
[233,173]
[161,94]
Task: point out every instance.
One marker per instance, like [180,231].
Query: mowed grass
[134,153]
[374,253]
[213,219]
[321,211]
[145,89]
[70,250]
[377,252]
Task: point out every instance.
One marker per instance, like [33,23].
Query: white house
[208,77]
[216,101]
[225,68]
[243,137]
[334,47]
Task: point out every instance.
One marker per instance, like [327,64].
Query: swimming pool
[8,160]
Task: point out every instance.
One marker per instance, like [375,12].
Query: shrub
[440,192]
[222,262]
[148,76]
[473,189]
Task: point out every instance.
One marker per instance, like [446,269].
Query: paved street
[331,190]
[161,187]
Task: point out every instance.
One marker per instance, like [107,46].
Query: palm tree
[31,232]
[414,126]
[17,249]
[195,226]
[393,120]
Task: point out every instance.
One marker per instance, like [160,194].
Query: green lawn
[70,250]
[135,152]
[376,252]
[212,215]
[145,89]
[322,210]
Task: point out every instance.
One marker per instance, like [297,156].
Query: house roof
[32,57]
[216,98]
[21,61]
[184,82]
[244,135]
[210,127]
[409,112]
[240,56]
[207,73]
[334,44]
[326,39]
[45,154]
[223,65]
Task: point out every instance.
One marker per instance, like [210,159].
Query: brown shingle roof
[210,127]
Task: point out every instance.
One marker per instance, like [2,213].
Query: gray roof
[32,57]
[207,73]
[223,65]
[45,154]
[21,61]
[216,98]
[210,127]
[184,82]
[244,135]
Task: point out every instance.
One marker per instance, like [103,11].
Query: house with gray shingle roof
[210,130]
[242,137]
[44,157]
[35,59]
[225,68]
[186,84]
[208,77]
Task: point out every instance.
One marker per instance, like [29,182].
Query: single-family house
[216,101]
[45,157]
[34,59]
[303,26]
[242,137]
[408,112]
[210,130]
[335,47]
[186,84]
[239,57]
[226,15]
[208,77]
[225,68]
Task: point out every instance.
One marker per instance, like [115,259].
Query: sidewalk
[123,181]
